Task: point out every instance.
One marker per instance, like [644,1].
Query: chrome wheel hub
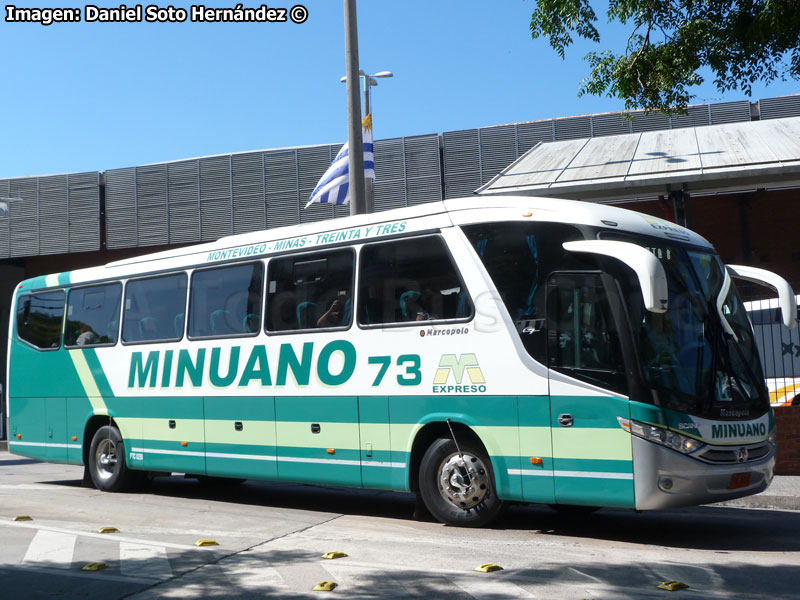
[106,458]
[463,483]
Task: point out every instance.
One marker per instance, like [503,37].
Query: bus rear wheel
[107,466]
[459,492]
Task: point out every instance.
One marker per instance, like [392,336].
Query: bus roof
[366,227]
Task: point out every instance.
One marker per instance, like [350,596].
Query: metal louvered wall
[204,199]
[56,214]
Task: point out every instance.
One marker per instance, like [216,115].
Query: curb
[775,502]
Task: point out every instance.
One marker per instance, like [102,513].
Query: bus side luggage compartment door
[376,450]
[535,446]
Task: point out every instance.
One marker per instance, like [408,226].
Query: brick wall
[787,421]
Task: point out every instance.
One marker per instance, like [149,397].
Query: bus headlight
[658,435]
[773,437]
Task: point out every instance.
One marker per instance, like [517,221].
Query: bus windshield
[699,355]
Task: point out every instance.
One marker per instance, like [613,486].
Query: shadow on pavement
[702,528]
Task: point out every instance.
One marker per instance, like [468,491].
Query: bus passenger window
[154,309]
[410,280]
[519,256]
[93,315]
[226,301]
[310,291]
[39,318]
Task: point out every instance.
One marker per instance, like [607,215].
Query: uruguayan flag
[334,186]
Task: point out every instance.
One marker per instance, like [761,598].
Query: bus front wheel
[107,466]
[458,489]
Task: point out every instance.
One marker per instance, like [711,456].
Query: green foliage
[740,41]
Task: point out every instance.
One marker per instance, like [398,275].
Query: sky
[94,96]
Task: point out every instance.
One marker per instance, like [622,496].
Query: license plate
[739,480]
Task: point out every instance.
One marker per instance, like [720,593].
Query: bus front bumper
[664,478]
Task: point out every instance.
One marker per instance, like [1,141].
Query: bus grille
[730,456]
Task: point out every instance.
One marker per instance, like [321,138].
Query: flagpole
[358,203]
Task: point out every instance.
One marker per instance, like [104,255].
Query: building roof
[733,156]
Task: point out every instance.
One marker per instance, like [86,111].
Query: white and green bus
[476,352]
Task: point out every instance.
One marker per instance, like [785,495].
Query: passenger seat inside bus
[305,315]
[219,322]
[177,325]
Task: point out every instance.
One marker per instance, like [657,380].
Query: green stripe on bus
[316,409]
[99,375]
[595,491]
[341,454]
[593,465]
[320,473]
[170,407]
[647,413]
[258,450]
[470,410]
[239,408]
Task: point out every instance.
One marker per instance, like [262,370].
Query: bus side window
[310,291]
[154,309]
[39,318]
[582,339]
[93,315]
[225,301]
[518,256]
[410,280]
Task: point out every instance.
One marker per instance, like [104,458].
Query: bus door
[592,458]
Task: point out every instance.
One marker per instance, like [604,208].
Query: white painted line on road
[144,560]
[50,549]
[101,536]
[370,579]
[486,587]
[247,575]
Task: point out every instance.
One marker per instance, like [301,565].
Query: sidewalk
[783,493]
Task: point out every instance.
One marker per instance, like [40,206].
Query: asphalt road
[271,538]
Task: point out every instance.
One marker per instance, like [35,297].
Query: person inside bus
[421,307]
[334,316]
[87,336]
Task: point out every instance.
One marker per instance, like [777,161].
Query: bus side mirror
[648,269]
[786,298]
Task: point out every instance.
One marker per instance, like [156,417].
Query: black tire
[107,466]
[452,498]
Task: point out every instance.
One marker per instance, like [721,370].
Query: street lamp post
[355,159]
[369,82]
